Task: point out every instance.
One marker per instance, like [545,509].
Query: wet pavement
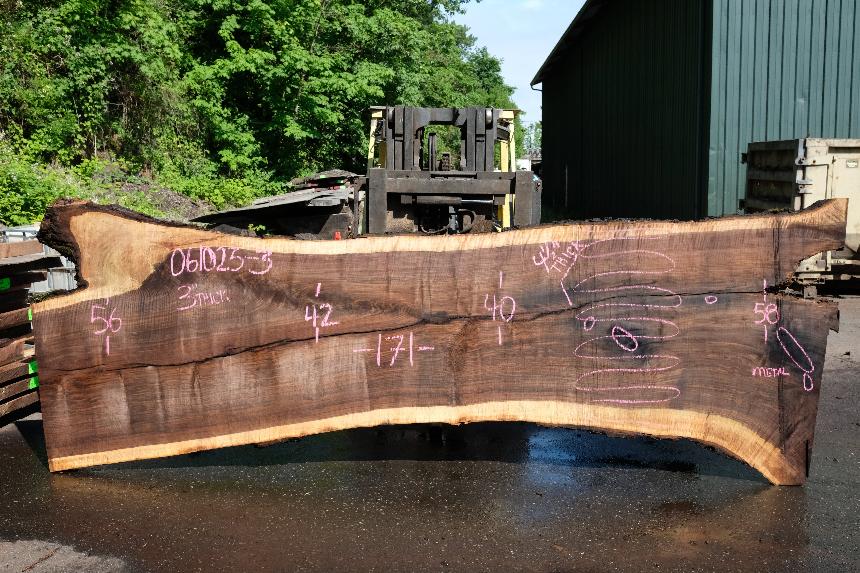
[482,497]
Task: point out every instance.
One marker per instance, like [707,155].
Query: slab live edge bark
[183,339]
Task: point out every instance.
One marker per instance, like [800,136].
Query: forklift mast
[410,181]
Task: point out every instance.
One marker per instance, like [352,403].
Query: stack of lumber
[182,339]
[21,264]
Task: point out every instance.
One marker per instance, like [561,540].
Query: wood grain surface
[12,389]
[14,318]
[182,339]
[11,407]
[18,369]
[20,248]
[12,349]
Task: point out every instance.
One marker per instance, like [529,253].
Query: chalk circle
[808,383]
[619,334]
[589,323]
[710,299]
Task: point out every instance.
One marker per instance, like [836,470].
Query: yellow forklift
[411,185]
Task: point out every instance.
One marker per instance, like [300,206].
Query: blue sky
[522,33]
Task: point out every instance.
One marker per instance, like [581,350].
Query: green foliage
[219,100]
[26,188]
[138,201]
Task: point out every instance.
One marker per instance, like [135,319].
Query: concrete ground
[485,497]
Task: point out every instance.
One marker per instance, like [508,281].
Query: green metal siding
[625,110]
[781,69]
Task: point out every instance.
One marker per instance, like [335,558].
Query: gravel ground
[483,497]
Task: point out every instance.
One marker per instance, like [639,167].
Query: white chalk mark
[319,286]
[379,351]
[395,349]
[107,345]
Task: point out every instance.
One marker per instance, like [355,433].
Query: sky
[521,33]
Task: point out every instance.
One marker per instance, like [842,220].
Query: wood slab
[15,323]
[20,248]
[12,349]
[12,389]
[10,407]
[18,383]
[23,263]
[18,369]
[181,339]
[14,318]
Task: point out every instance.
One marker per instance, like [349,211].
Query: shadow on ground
[508,442]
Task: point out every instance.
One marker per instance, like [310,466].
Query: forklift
[411,185]
[413,188]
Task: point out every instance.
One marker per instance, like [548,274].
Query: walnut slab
[182,339]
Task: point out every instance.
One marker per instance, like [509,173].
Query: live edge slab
[182,339]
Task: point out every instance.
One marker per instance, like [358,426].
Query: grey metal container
[793,174]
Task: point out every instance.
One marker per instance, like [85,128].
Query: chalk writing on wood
[191,299]
[106,322]
[797,354]
[769,312]
[765,372]
[791,347]
[557,257]
[319,314]
[393,346]
[502,308]
[611,330]
[627,321]
[205,259]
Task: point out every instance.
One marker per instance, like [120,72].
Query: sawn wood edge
[64,220]
[728,435]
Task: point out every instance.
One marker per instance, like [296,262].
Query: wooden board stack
[21,264]
[183,339]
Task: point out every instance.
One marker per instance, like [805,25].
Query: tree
[532,139]
[256,92]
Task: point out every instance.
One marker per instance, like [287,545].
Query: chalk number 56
[111,322]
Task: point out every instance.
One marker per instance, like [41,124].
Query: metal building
[649,104]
